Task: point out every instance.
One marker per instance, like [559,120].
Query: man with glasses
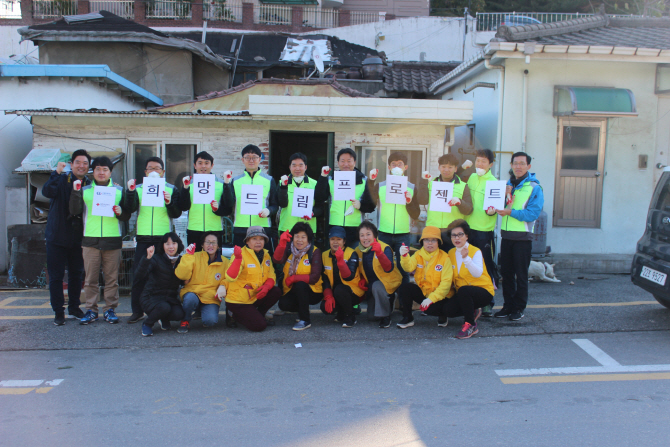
[287,184]
[152,223]
[524,199]
[202,218]
[232,199]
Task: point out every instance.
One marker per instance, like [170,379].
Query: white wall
[9,43]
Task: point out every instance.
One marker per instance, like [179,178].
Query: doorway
[317,146]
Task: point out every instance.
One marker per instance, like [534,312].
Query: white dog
[542,271]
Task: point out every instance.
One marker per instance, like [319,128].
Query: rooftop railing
[122,8]
[490,21]
[225,11]
[53,9]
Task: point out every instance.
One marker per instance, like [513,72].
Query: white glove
[425,304]
[264,213]
[356,204]
[131,185]
[227,176]
[186,181]
[349,211]
[425,175]
[167,197]
[491,211]
[373,174]
[220,293]
[466,164]
[455,201]
[404,249]
[325,171]
[117,210]
[76,185]
[284,180]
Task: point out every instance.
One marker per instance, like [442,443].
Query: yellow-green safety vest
[441,219]
[100,226]
[153,220]
[393,219]
[244,220]
[200,216]
[286,220]
[520,198]
[339,207]
[479,220]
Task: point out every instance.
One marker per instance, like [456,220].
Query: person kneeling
[204,272]
[251,283]
[302,272]
[160,295]
[432,274]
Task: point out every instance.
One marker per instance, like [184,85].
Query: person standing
[152,224]
[232,198]
[287,184]
[525,200]
[63,237]
[394,220]
[101,242]
[347,214]
[202,218]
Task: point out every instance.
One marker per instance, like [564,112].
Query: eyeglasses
[154,169]
[254,158]
[457,235]
[523,163]
[210,243]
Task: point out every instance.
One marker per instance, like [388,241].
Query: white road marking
[595,352]
[54,382]
[19,383]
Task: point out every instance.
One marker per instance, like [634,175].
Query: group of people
[454,270]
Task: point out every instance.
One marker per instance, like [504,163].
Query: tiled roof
[155,112]
[415,77]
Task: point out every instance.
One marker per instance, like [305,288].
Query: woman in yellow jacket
[472,283]
[251,282]
[432,277]
[205,276]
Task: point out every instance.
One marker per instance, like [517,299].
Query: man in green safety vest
[525,200]
[152,223]
[287,185]
[101,244]
[232,199]
[461,202]
[394,220]
[347,214]
[202,218]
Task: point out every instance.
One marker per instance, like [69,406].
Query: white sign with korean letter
[440,195]
[303,202]
[252,199]
[396,185]
[152,191]
[494,195]
[345,185]
[203,192]
[103,201]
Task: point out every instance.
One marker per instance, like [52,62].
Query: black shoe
[357,309]
[59,320]
[349,321]
[385,322]
[502,313]
[230,321]
[406,322]
[516,316]
[442,321]
[135,317]
[77,313]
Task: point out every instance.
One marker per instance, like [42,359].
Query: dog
[542,271]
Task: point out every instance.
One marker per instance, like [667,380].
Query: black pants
[240,234]
[195,237]
[58,258]
[165,311]
[345,300]
[483,240]
[411,293]
[446,240]
[298,299]
[514,263]
[466,300]
[138,284]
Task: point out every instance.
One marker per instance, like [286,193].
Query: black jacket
[162,284]
[63,228]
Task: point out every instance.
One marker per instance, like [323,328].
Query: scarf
[172,259]
[297,256]
[364,249]
[516,181]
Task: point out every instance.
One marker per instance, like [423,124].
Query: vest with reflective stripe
[153,220]
[520,197]
[328,270]
[428,275]
[479,220]
[339,207]
[99,226]
[200,216]
[464,277]
[440,219]
[390,280]
[304,268]
[393,218]
[244,220]
[286,221]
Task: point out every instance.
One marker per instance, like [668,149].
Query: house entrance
[317,146]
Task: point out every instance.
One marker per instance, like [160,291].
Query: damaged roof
[414,77]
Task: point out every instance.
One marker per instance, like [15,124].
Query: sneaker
[487,311]
[197,315]
[467,331]
[59,320]
[110,317]
[90,317]
[183,327]
[165,325]
[231,322]
[385,322]
[134,318]
[77,313]
[406,322]
[147,331]
[442,321]
[478,313]
[349,322]
[302,325]
[516,316]
[357,309]
[502,313]
[339,319]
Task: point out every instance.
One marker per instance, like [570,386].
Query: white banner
[396,185]
[252,199]
[103,201]
[440,195]
[345,185]
[494,195]
[303,202]
[203,192]
[152,191]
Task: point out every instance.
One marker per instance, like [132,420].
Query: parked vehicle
[514,20]
[651,263]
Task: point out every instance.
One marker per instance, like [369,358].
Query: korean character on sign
[442,194]
[396,188]
[153,190]
[204,187]
[495,193]
[303,202]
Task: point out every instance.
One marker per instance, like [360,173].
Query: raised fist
[283,181]
[339,254]
[404,250]
[237,252]
[455,201]
[227,177]
[186,181]
[132,184]
[168,197]
[150,252]
[60,166]
[373,174]
[425,175]
[285,238]
[77,185]
[215,205]
[376,247]
[325,171]
[466,164]
[408,197]
[264,213]
[190,249]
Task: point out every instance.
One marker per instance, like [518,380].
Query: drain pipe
[524,111]
[492,85]
[501,101]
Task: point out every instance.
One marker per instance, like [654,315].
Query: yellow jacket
[252,274]
[390,280]
[304,268]
[328,271]
[204,278]
[464,278]
[432,272]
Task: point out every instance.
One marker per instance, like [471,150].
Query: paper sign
[103,201]
[152,191]
[345,185]
[494,195]
[203,189]
[251,199]
[396,185]
[303,202]
[440,195]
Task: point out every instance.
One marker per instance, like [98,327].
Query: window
[471,135]
[178,159]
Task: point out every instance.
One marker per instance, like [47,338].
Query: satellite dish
[318,58]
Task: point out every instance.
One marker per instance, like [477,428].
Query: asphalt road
[106,385]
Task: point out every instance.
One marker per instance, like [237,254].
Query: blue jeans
[209,312]
[59,257]
[395,241]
